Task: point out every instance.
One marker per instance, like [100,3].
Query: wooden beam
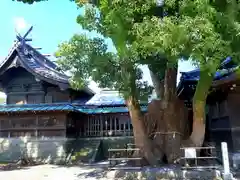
[28,40]
[47,55]
[27,33]
[37,48]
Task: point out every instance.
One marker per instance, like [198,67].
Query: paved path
[51,172]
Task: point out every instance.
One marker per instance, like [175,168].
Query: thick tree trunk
[170,85]
[167,117]
[171,116]
[140,136]
[158,84]
[199,103]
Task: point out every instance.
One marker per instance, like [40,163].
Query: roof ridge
[54,70]
[47,60]
[11,50]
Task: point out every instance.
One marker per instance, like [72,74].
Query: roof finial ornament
[23,39]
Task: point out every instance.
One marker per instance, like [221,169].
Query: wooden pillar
[36,127]
[91,125]
[101,124]
[124,128]
[98,125]
[94,125]
[129,129]
[9,125]
[85,126]
[106,124]
[115,126]
[88,125]
[110,125]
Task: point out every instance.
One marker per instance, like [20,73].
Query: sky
[53,22]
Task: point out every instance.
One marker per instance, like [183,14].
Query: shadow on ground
[12,167]
[96,173]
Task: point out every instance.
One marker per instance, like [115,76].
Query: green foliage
[2,100]
[29,1]
[192,31]
[203,31]
[89,59]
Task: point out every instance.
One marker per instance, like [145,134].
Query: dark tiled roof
[226,71]
[38,65]
[108,98]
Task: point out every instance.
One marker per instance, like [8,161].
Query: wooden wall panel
[56,95]
[35,125]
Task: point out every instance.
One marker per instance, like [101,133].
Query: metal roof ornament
[23,39]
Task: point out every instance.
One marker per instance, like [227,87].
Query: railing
[108,133]
[123,155]
[192,160]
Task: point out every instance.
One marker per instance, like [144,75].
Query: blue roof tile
[106,98]
[36,107]
[106,110]
[64,107]
[226,68]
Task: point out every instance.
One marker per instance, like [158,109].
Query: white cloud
[20,24]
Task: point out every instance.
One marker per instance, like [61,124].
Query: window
[23,122]
[48,121]
[4,124]
[22,133]
[107,125]
[4,133]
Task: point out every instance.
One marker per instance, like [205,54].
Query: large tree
[143,35]
[89,59]
[157,36]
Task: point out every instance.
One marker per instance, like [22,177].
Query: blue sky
[53,22]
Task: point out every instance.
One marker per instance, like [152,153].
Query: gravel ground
[51,172]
